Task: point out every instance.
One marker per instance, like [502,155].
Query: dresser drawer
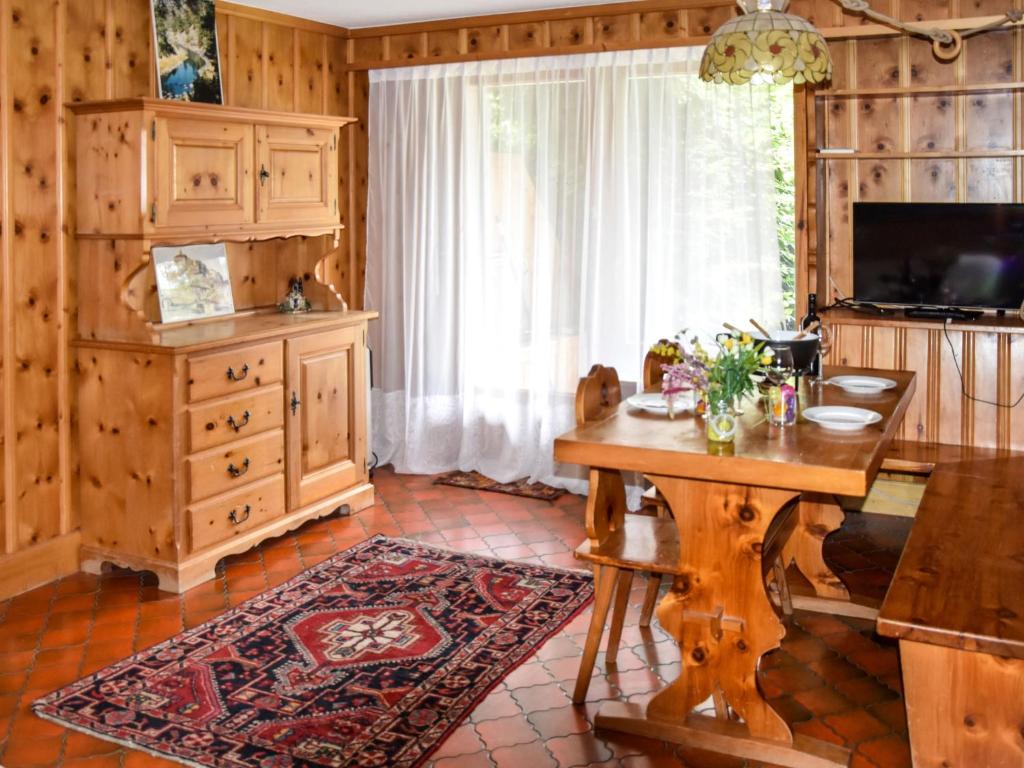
[231,466]
[239,370]
[224,420]
[217,521]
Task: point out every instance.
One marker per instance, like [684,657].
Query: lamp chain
[946,43]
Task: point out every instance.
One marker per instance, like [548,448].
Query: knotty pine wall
[58,51]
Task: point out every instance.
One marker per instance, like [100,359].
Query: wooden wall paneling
[529,36]
[485,39]
[571,33]
[989,117]
[949,399]
[8,510]
[85,51]
[359,101]
[310,52]
[407,48]
[800,208]
[1012,387]
[37,290]
[224,52]
[990,179]
[130,31]
[662,25]
[279,53]
[337,103]
[839,237]
[616,31]
[924,10]
[366,49]
[246,71]
[704,21]
[445,43]
[916,358]
[987,384]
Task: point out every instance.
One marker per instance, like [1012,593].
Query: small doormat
[478,482]
[370,658]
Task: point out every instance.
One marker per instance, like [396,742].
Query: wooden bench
[956,604]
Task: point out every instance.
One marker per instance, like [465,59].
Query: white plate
[864,385]
[653,402]
[842,418]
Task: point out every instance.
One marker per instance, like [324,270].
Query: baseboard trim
[40,564]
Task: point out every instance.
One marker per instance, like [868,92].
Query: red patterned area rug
[479,482]
[371,658]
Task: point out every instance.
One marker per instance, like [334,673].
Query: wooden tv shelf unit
[199,440]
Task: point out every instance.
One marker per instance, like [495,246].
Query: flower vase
[721,426]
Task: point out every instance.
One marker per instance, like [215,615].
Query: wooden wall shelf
[930,155]
[921,90]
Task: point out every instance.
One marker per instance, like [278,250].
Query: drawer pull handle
[235,471]
[237,425]
[235,519]
[232,376]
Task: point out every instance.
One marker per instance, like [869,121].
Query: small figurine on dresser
[295,302]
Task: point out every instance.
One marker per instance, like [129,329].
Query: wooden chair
[618,543]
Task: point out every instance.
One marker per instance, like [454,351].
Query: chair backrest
[598,395]
[652,366]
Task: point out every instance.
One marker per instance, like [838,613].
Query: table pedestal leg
[819,517]
[719,612]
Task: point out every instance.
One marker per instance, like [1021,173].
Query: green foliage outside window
[781,101]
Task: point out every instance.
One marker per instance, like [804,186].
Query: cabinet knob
[232,376]
[264,174]
[238,472]
[235,519]
[237,425]
[295,403]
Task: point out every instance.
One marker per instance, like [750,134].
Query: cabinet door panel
[298,174]
[204,173]
[326,426]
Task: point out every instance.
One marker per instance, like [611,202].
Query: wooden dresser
[199,440]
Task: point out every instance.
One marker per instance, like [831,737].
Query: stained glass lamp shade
[766,45]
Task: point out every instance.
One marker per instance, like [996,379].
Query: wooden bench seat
[956,604]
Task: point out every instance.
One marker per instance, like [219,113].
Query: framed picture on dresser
[193,282]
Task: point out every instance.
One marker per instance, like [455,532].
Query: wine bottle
[809,319]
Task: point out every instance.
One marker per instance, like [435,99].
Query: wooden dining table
[773,484]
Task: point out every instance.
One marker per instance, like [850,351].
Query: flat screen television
[966,255]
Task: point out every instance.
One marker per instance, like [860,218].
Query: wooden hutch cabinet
[199,440]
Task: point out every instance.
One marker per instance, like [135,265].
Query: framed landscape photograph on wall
[187,59]
[193,282]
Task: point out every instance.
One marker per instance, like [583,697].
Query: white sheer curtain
[531,217]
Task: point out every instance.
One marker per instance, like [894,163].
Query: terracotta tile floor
[833,678]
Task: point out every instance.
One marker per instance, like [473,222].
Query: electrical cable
[963,384]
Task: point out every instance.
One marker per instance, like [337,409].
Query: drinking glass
[824,345]
[779,381]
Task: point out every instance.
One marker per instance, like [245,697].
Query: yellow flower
[745,339]
[766,359]
[730,52]
[729,344]
[775,51]
[813,52]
